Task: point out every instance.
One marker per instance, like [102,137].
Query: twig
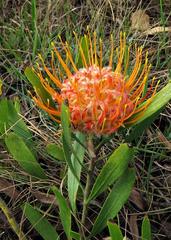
[155,30]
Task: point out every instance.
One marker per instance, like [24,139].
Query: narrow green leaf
[72,181]
[35,81]
[146,229]
[64,212]
[66,138]
[17,105]
[9,118]
[34,27]
[154,109]
[23,155]
[75,236]
[115,200]
[159,101]
[85,48]
[137,130]
[65,121]
[115,232]
[112,170]
[40,223]
[34,15]
[55,151]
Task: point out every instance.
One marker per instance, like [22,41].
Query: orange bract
[101,99]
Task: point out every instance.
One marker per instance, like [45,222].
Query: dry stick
[11,220]
[89,178]
[158,29]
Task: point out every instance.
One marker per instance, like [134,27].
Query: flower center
[98,99]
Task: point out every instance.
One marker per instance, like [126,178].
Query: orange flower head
[101,99]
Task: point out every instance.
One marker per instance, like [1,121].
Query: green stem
[89,178]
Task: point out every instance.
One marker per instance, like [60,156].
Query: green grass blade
[55,151]
[34,27]
[115,232]
[115,200]
[72,181]
[146,229]
[40,223]
[112,170]
[33,12]
[22,154]
[162,14]
[64,212]
[11,220]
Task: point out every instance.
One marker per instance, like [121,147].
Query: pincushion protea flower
[101,99]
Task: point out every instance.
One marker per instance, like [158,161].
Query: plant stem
[89,178]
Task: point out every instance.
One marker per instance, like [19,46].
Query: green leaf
[75,235]
[64,212]
[115,200]
[115,232]
[153,110]
[112,170]
[85,48]
[159,101]
[9,119]
[55,151]
[17,105]
[40,223]
[35,81]
[137,130]
[34,27]
[72,181]
[65,121]
[66,138]
[146,229]
[23,155]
